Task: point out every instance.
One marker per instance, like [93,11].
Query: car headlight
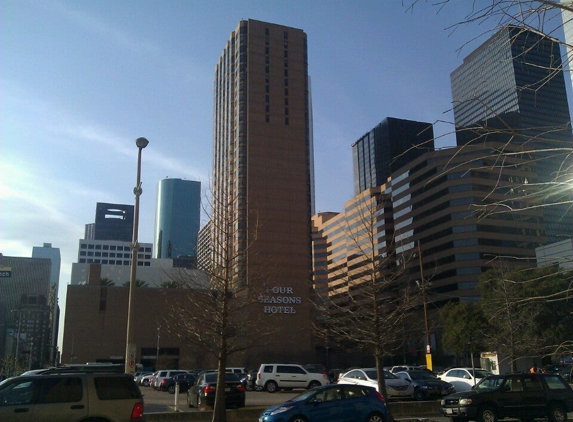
[465,402]
[281,410]
[424,387]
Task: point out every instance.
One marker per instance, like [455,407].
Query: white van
[273,376]
[236,370]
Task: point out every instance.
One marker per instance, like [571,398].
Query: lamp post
[130,348]
[423,286]
[157,357]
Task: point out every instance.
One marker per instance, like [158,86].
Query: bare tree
[369,294]
[218,306]
[532,30]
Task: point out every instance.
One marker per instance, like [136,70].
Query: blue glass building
[177,218]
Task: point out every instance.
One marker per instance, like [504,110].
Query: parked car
[138,375]
[426,385]
[57,396]
[523,396]
[202,393]
[274,376]
[333,403]
[396,388]
[464,379]
[564,370]
[161,375]
[400,368]
[185,380]
[147,379]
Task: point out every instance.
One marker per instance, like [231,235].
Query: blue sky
[81,80]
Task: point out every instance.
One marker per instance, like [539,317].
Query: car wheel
[557,413]
[146,383]
[271,387]
[487,414]
[375,417]
[298,419]
[171,389]
[419,394]
[314,384]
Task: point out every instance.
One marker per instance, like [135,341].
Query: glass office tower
[177,218]
[512,89]
[390,145]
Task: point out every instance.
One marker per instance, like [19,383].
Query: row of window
[113,255]
[112,247]
[267,77]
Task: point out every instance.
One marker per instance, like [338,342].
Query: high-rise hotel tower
[262,180]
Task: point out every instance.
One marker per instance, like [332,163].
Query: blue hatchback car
[332,403]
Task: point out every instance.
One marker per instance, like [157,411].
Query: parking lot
[160,401]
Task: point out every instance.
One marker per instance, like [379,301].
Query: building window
[83,246]
[286,35]
[286,121]
[267,118]
[286,92]
[266,31]
[286,111]
[98,247]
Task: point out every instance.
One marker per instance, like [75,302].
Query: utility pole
[423,287]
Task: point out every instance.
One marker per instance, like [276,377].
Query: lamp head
[141,142]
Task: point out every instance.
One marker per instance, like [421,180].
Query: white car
[146,380]
[396,387]
[274,376]
[463,379]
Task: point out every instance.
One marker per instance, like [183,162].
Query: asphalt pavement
[163,402]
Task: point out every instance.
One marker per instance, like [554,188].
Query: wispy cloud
[104,29]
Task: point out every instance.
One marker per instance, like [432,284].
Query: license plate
[449,411]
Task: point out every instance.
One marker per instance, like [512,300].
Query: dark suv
[54,396]
[521,396]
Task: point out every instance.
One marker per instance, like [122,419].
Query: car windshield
[422,376]
[371,374]
[489,384]
[479,373]
[304,396]
[390,375]
[212,378]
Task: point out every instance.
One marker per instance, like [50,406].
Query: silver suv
[70,397]
[273,376]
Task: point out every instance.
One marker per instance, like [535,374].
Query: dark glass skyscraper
[389,146]
[177,218]
[512,89]
[112,222]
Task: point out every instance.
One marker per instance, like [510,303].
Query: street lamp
[130,348]
[423,287]
[157,357]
